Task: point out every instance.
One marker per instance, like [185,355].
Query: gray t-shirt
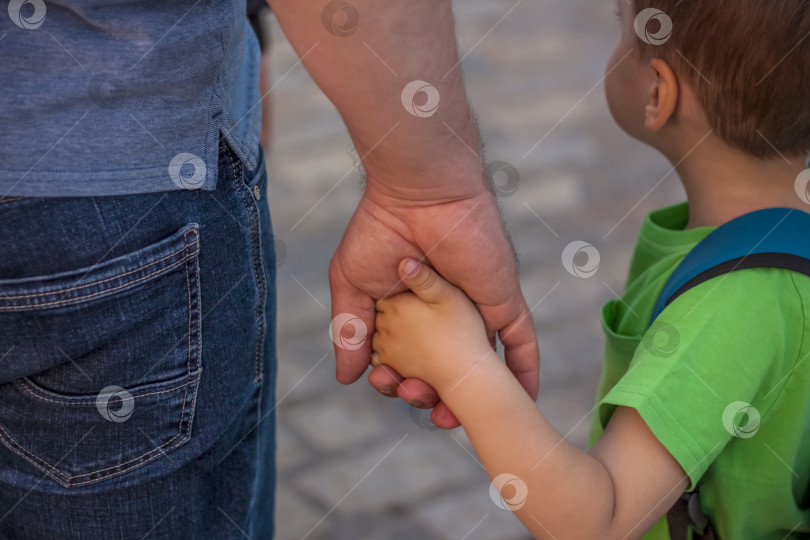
[110,97]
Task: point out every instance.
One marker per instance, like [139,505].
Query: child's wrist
[486,383]
[450,373]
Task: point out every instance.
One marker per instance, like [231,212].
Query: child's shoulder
[749,298]
[752,267]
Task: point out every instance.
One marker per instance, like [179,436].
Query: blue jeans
[137,363]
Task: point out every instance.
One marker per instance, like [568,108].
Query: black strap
[678,519]
[686,513]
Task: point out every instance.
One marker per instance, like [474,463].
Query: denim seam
[186,412]
[97,282]
[188,255]
[188,355]
[254,246]
[25,384]
[52,471]
[33,458]
[193,313]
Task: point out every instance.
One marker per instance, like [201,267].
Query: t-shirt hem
[95,183]
[689,455]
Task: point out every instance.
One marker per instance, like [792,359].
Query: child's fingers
[378,340]
[425,282]
[379,323]
[381,306]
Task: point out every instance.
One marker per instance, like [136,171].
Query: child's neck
[722,184]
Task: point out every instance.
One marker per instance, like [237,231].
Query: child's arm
[619,489]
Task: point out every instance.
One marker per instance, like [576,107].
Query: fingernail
[411,267]
[386,390]
[418,404]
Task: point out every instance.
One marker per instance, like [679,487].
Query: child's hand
[434,333]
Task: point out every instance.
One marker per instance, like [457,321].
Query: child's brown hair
[747,61]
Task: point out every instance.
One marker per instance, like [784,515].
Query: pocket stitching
[186,414]
[261,286]
[193,245]
[31,388]
[66,480]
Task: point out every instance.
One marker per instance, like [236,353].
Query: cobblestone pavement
[354,465]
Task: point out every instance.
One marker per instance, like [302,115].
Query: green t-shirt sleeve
[702,363]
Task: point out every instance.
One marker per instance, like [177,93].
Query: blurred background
[355,465]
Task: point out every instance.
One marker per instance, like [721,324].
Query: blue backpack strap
[770,238]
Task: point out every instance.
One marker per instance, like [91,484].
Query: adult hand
[464,241]
[424,195]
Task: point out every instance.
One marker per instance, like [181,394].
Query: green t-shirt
[722,378]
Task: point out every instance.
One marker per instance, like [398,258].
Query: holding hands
[433,332]
[451,232]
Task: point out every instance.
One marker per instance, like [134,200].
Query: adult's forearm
[364,74]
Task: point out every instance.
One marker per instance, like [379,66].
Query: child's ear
[663,97]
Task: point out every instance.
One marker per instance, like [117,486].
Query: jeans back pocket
[100,365]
